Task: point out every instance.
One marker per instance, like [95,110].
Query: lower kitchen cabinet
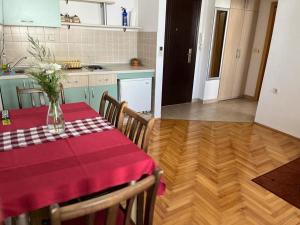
[77,94]
[9,93]
[76,89]
[96,94]
[89,95]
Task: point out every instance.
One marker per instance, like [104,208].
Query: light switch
[161,51]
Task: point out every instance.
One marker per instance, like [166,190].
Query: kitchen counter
[107,68]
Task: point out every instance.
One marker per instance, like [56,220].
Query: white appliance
[137,92]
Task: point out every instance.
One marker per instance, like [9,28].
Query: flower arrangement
[44,70]
[48,75]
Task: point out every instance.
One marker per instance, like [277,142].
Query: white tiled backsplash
[147,48]
[87,45]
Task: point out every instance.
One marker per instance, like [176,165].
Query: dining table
[38,175]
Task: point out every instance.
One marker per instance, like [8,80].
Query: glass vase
[55,118]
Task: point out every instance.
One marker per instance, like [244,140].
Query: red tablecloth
[40,175]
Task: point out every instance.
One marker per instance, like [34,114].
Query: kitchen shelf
[94,1]
[100,26]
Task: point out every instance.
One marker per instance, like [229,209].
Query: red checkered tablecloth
[38,135]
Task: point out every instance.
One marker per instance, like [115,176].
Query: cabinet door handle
[85,94]
[93,94]
[24,84]
[27,21]
[238,53]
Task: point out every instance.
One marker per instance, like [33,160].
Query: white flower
[50,67]
[57,67]
[49,71]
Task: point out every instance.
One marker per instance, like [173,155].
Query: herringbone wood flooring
[208,170]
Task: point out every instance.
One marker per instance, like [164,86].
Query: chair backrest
[144,191]
[135,127]
[36,92]
[110,108]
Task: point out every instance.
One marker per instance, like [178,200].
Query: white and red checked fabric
[39,135]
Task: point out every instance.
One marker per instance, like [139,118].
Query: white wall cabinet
[31,13]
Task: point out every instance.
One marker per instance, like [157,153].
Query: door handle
[93,94]
[27,21]
[85,93]
[190,55]
[238,53]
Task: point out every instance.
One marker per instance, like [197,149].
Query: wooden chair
[113,205]
[135,127]
[112,110]
[36,92]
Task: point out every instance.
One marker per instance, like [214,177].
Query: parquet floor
[208,170]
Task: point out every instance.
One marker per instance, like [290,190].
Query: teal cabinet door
[9,93]
[1,11]
[32,13]
[96,94]
[78,94]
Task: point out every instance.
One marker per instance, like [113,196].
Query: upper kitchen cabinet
[32,13]
[1,11]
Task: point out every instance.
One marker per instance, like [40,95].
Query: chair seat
[99,219]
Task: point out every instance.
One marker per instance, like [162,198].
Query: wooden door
[231,53]
[244,55]
[266,50]
[182,23]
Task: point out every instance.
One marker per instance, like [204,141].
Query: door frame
[212,43]
[267,45]
[195,45]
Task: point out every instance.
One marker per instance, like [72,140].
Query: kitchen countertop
[107,69]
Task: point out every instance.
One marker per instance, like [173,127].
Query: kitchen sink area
[98,54]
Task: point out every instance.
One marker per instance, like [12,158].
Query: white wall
[281,111]
[206,89]
[148,15]
[162,5]
[203,53]
[258,46]
[211,90]
[152,15]
[90,13]
[223,3]
[114,13]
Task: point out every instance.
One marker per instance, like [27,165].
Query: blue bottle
[124,17]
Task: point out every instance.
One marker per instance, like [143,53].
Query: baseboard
[210,101]
[251,98]
[275,130]
[197,100]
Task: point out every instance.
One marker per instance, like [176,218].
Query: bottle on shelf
[124,17]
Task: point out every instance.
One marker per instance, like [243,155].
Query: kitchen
[96,37]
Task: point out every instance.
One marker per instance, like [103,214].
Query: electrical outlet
[51,37]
